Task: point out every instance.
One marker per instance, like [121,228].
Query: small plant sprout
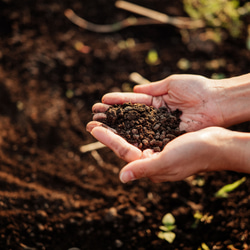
[203,247]
[218,13]
[199,217]
[218,76]
[223,192]
[168,226]
[198,181]
[126,44]
[152,57]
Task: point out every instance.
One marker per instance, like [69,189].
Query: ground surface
[54,197]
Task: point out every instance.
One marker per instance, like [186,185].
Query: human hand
[184,156]
[204,102]
[194,95]
[190,93]
[188,154]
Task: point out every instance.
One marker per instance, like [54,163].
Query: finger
[141,168]
[120,98]
[147,153]
[92,125]
[154,89]
[99,117]
[120,146]
[100,108]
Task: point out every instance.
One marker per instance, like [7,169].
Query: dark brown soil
[144,126]
[54,197]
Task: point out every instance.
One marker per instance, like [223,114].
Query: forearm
[233,151]
[234,99]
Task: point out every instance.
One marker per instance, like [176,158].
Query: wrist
[233,150]
[233,99]
[225,150]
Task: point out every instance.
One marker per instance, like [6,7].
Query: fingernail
[127,176]
[89,128]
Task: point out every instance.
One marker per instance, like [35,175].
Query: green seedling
[223,192]
[218,76]
[126,44]
[199,217]
[168,226]
[198,181]
[152,57]
[218,14]
[203,247]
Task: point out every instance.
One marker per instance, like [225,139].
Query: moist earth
[52,196]
[144,126]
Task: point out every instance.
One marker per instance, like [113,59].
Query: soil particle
[144,126]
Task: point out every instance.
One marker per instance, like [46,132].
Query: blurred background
[52,195]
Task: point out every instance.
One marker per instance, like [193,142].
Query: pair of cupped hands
[186,155]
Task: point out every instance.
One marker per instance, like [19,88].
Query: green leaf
[168,236]
[217,76]
[168,219]
[204,246]
[218,13]
[163,228]
[223,192]
[198,215]
[152,57]
[167,228]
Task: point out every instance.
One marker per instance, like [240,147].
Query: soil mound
[144,126]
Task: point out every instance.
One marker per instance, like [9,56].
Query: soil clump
[144,126]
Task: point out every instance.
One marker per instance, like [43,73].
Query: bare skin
[193,95]
[210,149]
[204,103]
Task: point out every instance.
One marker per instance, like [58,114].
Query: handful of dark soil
[144,126]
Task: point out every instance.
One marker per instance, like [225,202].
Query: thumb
[141,168]
[154,88]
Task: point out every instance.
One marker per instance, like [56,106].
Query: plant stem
[107,28]
[180,22]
